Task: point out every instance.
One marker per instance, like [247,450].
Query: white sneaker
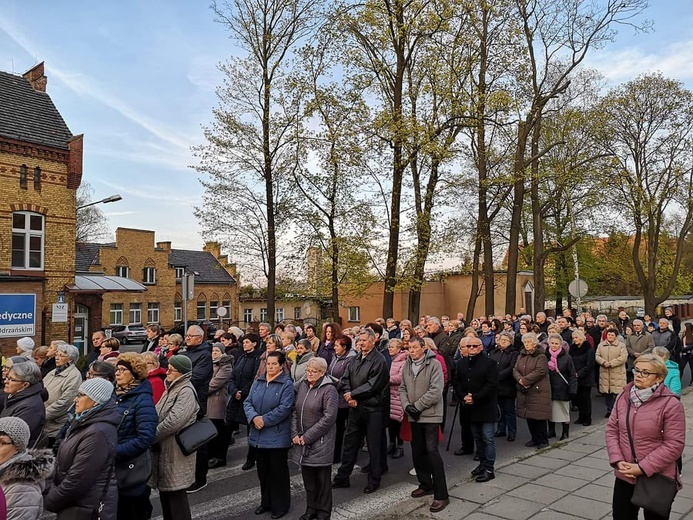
[412,472]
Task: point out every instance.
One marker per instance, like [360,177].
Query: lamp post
[112,198]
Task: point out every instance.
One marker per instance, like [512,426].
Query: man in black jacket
[200,354]
[476,384]
[154,334]
[366,387]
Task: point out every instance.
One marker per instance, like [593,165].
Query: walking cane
[452,426]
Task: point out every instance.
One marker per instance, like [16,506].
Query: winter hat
[25,344]
[17,430]
[97,389]
[181,363]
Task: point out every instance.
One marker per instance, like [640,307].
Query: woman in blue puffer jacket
[268,409]
[135,436]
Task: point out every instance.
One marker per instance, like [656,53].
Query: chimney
[166,246]
[36,77]
[214,248]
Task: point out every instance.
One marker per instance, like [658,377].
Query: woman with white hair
[62,385]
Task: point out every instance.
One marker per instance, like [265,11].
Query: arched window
[122,267]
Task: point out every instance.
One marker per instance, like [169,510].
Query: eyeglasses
[5,443]
[121,369]
[8,378]
[644,373]
[171,369]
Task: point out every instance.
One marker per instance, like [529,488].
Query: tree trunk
[539,257]
[474,291]
[269,194]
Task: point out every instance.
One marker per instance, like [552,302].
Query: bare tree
[91,224]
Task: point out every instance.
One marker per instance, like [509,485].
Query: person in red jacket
[650,414]
[156,375]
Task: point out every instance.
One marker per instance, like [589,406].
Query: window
[135,313]
[297,313]
[27,240]
[201,310]
[22,176]
[149,275]
[180,272]
[152,313]
[279,314]
[263,314]
[123,271]
[227,306]
[213,306]
[116,315]
[37,178]
[247,315]
[177,311]
[354,313]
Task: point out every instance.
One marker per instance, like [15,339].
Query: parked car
[133,333]
[209,325]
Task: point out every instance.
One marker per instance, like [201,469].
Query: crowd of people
[98,440]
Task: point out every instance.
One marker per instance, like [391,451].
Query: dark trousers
[317,481]
[508,417]
[201,461]
[584,403]
[363,424]
[273,472]
[219,445]
[609,399]
[174,505]
[538,431]
[394,427]
[684,360]
[136,507]
[251,455]
[623,509]
[466,430]
[445,407]
[342,419]
[428,463]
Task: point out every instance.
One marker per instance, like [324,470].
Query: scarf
[553,360]
[121,390]
[62,368]
[638,397]
[86,413]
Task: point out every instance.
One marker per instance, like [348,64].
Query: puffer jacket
[298,369]
[315,419]
[583,359]
[658,428]
[505,361]
[336,370]
[560,391]
[242,378]
[533,402]
[273,400]
[368,378]
[396,410]
[673,379]
[28,405]
[178,407]
[424,390]
[83,465]
[218,396]
[62,390]
[22,478]
[611,379]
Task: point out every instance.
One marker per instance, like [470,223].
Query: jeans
[430,470]
[484,436]
[623,509]
[508,417]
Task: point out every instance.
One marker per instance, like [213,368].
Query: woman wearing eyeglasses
[62,385]
[24,397]
[645,435]
[84,480]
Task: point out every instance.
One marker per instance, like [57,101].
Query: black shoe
[279,515]
[580,420]
[371,488]
[232,441]
[462,451]
[308,516]
[476,457]
[500,434]
[391,448]
[340,484]
[478,471]
[511,438]
[608,414]
[366,469]
[216,463]
[261,509]
[399,453]
[531,444]
[542,445]
[587,423]
[420,492]
[485,476]
[574,409]
[197,486]
[249,464]
[566,432]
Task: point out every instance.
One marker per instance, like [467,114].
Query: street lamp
[112,198]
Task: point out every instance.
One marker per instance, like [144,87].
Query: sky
[138,80]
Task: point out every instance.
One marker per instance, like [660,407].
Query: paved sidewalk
[568,480]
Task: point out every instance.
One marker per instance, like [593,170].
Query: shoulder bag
[193,437]
[96,513]
[655,493]
[136,471]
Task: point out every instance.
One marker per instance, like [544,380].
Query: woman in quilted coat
[398,356]
[611,356]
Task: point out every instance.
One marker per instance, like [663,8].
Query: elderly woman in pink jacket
[645,435]
[398,356]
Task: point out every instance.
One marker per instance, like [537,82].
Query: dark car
[209,325]
[133,333]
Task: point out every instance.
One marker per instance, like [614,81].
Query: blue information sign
[17,315]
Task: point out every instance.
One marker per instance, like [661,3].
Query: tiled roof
[87,255]
[202,262]
[30,116]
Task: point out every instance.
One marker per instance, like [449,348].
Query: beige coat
[177,408]
[62,390]
[612,379]
[638,344]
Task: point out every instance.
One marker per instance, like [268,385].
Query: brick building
[136,257]
[40,171]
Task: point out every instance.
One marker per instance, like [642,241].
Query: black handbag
[655,493]
[193,437]
[134,472]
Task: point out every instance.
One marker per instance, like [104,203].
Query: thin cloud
[148,193]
